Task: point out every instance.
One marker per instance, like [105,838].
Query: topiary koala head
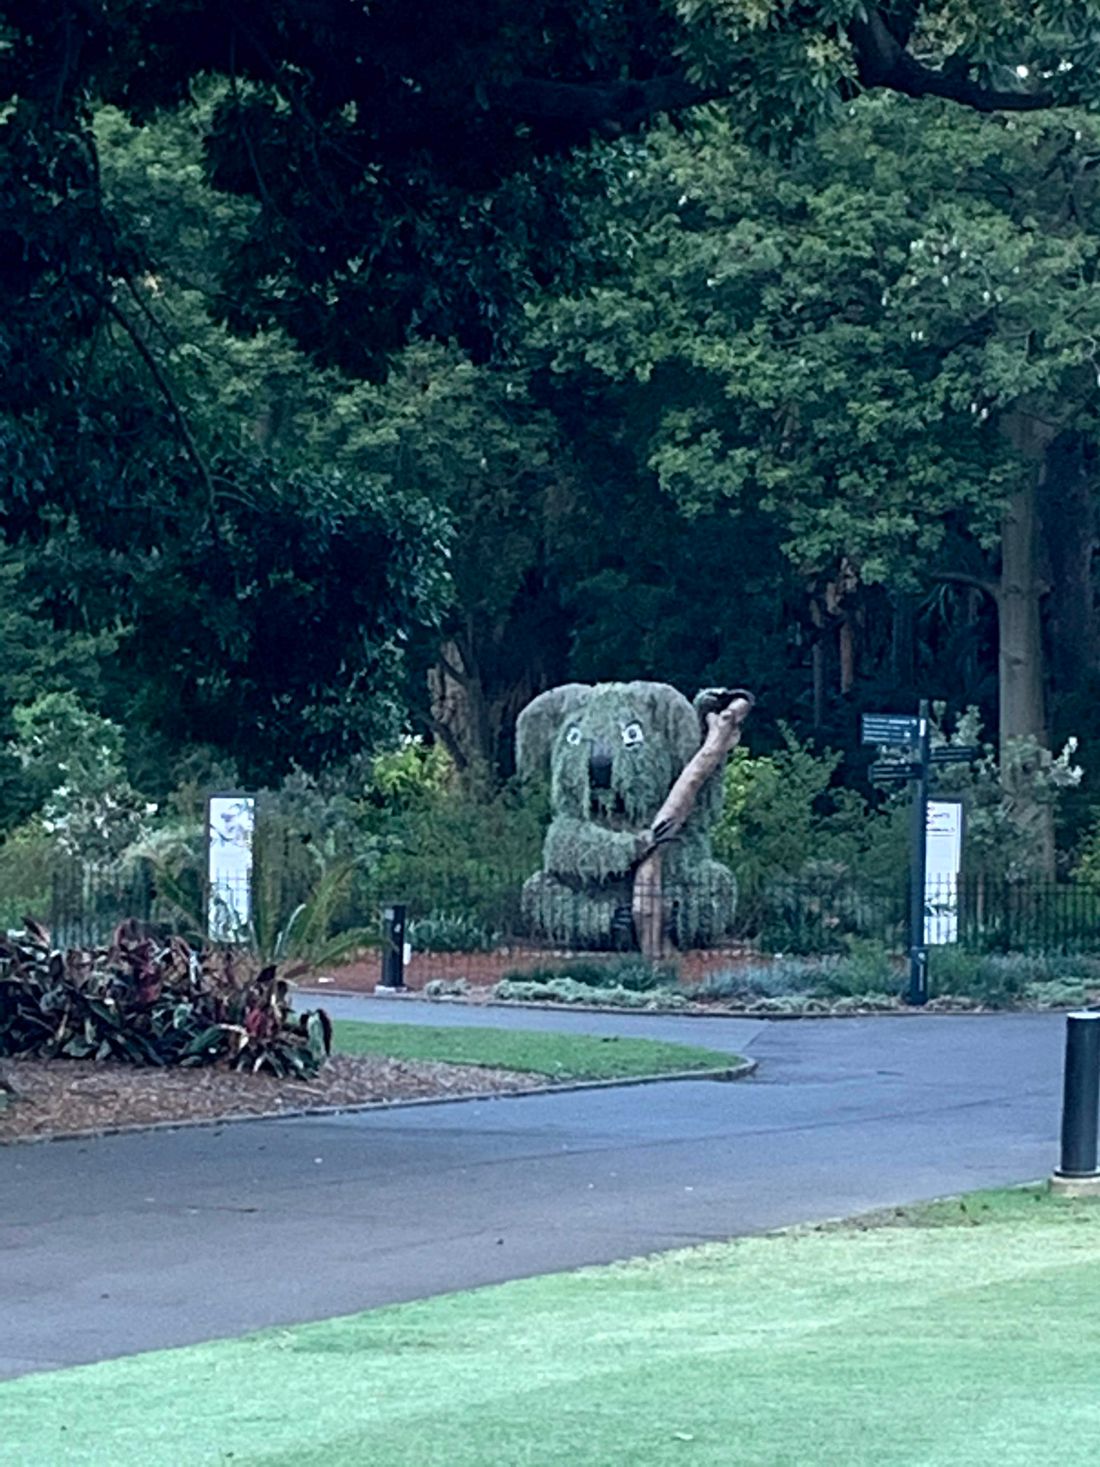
[613,750]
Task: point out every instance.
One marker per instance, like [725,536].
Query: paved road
[134,1242]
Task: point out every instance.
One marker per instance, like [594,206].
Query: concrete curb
[1060,1186]
[415,996]
[723,1075]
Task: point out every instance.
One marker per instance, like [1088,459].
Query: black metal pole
[393,946]
[1080,1096]
[918,951]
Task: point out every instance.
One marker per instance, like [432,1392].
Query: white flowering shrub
[75,759]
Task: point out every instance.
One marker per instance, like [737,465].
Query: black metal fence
[87,902]
[479,908]
[982,914]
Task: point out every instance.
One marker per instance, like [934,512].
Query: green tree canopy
[847,342]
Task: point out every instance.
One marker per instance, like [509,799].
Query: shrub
[444,932]
[866,972]
[778,807]
[634,973]
[567,990]
[74,758]
[866,968]
[824,908]
[784,977]
[446,988]
[151,1002]
[1060,993]
[460,854]
[28,859]
[1005,980]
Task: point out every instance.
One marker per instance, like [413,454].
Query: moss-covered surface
[613,752]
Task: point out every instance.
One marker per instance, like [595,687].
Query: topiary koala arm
[585,850]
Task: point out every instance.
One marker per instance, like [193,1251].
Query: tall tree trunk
[1068,514]
[460,712]
[818,661]
[902,642]
[839,594]
[1020,676]
[482,678]
[846,646]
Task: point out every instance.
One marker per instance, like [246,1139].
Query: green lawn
[969,1339]
[558,1056]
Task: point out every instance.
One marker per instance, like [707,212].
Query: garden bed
[374,1064]
[867,979]
[70,1097]
[790,1006]
[483,970]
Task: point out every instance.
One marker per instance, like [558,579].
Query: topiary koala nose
[599,765]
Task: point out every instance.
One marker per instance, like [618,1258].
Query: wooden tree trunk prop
[723,734]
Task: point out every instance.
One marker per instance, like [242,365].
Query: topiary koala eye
[573,736]
[632,734]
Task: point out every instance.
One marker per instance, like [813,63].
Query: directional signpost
[889,729]
[909,757]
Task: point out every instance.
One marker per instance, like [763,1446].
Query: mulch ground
[482,970]
[63,1097]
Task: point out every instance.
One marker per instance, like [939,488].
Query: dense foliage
[147,1002]
[368,370]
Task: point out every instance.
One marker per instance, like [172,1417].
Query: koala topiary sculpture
[613,751]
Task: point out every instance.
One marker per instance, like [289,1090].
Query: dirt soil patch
[65,1097]
[482,970]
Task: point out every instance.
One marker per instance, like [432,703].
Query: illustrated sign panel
[230,831]
[943,861]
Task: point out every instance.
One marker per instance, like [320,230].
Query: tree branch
[965,578]
[879,41]
[883,61]
[452,670]
[449,742]
[613,107]
[165,388]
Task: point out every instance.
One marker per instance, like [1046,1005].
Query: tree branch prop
[723,734]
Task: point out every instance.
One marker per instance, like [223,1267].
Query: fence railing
[481,908]
[87,902]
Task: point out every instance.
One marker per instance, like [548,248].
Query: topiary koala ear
[669,715]
[539,722]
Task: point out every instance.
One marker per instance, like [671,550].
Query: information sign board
[942,863]
[231,827]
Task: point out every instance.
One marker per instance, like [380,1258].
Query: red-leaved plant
[152,1001]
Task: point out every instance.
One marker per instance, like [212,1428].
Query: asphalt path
[134,1242]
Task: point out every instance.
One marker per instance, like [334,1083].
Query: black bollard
[1080,1105]
[393,946]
